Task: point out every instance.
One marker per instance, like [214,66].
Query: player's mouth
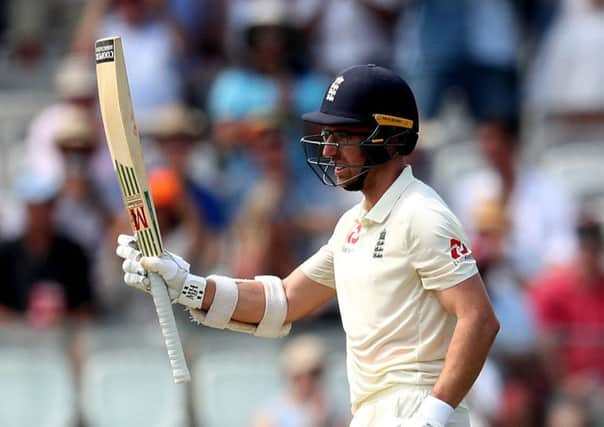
[339,170]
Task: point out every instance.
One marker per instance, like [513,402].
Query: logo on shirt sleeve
[460,252]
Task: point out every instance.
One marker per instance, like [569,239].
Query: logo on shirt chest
[378,250]
[352,238]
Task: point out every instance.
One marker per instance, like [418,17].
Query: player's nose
[329,150]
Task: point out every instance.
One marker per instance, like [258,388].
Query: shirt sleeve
[439,249]
[319,267]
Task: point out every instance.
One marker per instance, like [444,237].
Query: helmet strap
[356,183]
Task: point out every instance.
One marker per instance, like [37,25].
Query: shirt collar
[380,211]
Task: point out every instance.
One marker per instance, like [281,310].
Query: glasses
[340,136]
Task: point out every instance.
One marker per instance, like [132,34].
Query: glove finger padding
[131,266]
[127,240]
[134,274]
[128,252]
[137,281]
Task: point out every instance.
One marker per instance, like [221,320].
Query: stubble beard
[355,184]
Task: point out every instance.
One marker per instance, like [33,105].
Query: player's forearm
[302,296]
[472,339]
[250,301]
[262,306]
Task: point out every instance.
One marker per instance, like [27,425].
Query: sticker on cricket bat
[105,51]
[138,217]
[127,180]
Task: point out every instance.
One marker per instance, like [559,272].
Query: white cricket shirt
[384,265]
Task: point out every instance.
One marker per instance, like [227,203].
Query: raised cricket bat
[126,151]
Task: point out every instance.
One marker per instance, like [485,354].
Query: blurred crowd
[511,134]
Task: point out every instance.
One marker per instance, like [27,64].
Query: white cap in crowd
[303,354]
[75,78]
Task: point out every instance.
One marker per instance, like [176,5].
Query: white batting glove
[134,273]
[433,412]
[183,288]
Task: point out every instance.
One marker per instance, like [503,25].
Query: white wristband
[435,410]
[192,291]
[224,303]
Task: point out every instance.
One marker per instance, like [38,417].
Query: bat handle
[163,306]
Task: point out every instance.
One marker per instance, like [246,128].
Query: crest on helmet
[333,89]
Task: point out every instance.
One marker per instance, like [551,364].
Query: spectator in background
[564,82]
[46,276]
[523,384]
[265,224]
[566,75]
[152,51]
[567,411]
[267,82]
[75,84]
[29,24]
[178,130]
[537,17]
[178,219]
[569,305]
[305,401]
[343,33]
[541,214]
[268,79]
[194,30]
[83,213]
[467,44]
[510,302]
[202,24]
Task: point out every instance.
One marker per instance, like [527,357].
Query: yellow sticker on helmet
[386,120]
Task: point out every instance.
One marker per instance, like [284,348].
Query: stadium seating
[36,388]
[129,388]
[228,387]
[577,165]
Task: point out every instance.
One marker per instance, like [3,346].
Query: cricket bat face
[126,152]
[124,143]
